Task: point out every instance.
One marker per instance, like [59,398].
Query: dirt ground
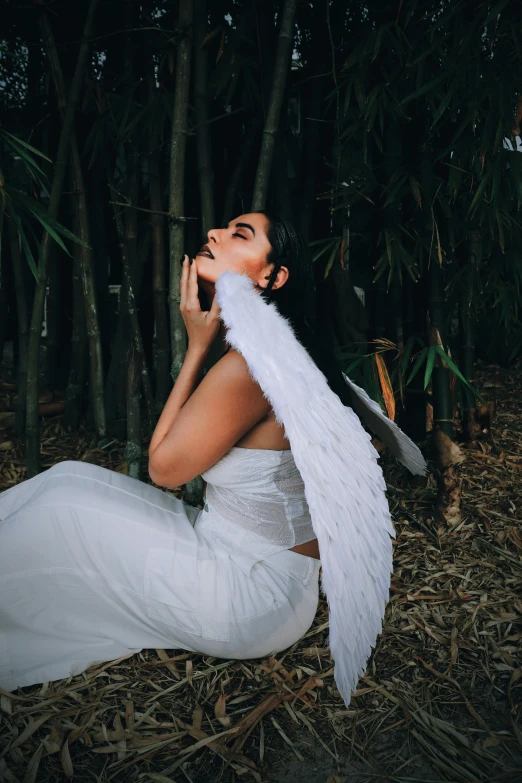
[441,699]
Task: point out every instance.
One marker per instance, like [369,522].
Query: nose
[213,235]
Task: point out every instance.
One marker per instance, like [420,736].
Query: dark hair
[297,298]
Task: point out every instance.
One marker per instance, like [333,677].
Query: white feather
[344,484]
[402,447]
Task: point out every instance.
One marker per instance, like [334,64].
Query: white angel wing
[344,484]
[402,447]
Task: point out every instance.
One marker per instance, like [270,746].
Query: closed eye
[239,235]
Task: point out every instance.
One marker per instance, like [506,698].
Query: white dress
[95,565]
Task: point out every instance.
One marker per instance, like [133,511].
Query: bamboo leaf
[23,143]
[415,189]
[386,386]
[326,246]
[453,367]
[405,358]
[25,246]
[211,35]
[30,162]
[478,195]
[430,361]
[495,12]
[425,88]
[40,213]
[331,259]
[46,225]
[446,101]
[418,363]
[439,248]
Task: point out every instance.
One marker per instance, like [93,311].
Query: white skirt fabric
[95,565]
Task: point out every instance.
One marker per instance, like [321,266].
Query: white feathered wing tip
[399,444]
[344,485]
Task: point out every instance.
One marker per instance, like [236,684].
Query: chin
[207,273]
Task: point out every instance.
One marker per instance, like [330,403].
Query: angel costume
[95,565]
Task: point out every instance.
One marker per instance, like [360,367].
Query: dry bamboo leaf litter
[444,685]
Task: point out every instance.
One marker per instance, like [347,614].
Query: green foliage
[405,366]
[427,102]
[26,211]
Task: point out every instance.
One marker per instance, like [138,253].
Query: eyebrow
[245,225]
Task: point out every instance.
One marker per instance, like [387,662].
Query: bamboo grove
[389,132]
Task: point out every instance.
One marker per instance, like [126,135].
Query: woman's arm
[224,407]
[199,425]
[185,384]
[202,328]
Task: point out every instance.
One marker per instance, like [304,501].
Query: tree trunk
[128,310]
[476,418]
[89,299]
[133,451]
[3,292]
[204,147]
[281,67]
[447,453]
[471,425]
[78,368]
[133,359]
[280,182]
[348,315]
[194,488]
[23,326]
[415,306]
[310,157]
[247,145]
[32,418]
[52,318]
[176,186]
[159,283]
[442,400]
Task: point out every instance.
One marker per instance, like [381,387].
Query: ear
[281,278]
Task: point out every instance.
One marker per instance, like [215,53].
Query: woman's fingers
[183,283]
[192,288]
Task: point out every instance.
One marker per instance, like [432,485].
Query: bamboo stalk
[194,488]
[471,421]
[442,400]
[310,158]
[133,450]
[89,298]
[69,111]
[159,277]
[78,367]
[3,293]
[176,186]
[52,319]
[281,67]
[129,263]
[23,326]
[129,310]
[447,453]
[204,147]
[234,181]
[414,307]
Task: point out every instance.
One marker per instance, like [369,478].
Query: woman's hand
[202,326]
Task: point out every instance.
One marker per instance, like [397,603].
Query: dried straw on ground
[443,688]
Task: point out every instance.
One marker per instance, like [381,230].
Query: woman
[95,565]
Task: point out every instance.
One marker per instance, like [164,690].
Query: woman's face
[242,247]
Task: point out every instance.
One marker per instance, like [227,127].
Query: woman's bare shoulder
[226,405]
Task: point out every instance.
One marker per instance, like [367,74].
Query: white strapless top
[255,502]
